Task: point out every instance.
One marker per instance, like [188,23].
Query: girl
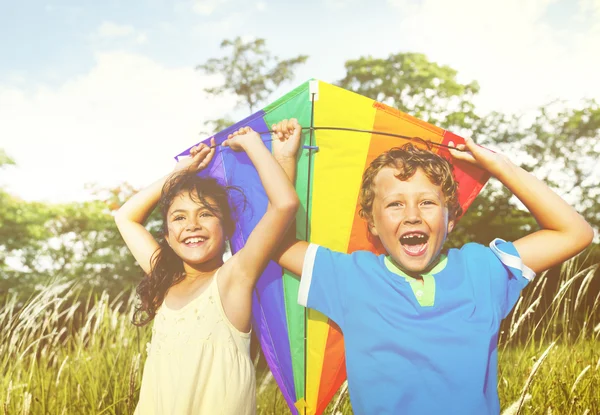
[199,358]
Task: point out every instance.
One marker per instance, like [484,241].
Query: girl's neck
[200,271]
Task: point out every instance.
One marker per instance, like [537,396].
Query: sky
[105,92]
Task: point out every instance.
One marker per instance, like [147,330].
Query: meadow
[64,352]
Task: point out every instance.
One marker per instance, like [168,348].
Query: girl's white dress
[198,362]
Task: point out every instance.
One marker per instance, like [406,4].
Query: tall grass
[66,353]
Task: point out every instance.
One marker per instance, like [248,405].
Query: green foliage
[217,125]
[5,158]
[77,241]
[415,85]
[250,71]
[560,146]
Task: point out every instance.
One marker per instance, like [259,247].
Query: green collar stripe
[424,291]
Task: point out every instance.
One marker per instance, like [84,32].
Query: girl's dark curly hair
[407,159]
[166,267]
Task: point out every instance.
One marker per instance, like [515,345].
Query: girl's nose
[193,224]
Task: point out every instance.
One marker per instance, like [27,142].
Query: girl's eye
[205,215]
[178,218]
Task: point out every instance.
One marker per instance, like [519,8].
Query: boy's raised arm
[564,232]
[287,138]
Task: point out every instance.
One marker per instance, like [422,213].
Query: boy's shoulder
[357,259]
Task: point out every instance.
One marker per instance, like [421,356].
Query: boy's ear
[450,225]
[372,228]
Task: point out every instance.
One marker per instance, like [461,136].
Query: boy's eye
[428,202]
[395,204]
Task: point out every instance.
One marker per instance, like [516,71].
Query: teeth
[413,235]
[194,240]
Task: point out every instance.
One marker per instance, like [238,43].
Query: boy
[421,327]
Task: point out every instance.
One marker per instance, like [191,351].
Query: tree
[250,72]
[5,159]
[415,85]
[71,241]
[560,146]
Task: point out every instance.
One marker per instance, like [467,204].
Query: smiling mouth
[196,240]
[414,243]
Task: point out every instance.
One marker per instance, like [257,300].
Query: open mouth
[193,241]
[414,243]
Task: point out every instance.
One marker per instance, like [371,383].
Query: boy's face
[410,218]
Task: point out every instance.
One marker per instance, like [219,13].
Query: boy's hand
[200,157]
[287,136]
[495,163]
[239,138]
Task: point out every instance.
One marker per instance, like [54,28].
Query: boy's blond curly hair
[407,159]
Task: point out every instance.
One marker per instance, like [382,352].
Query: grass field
[64,353]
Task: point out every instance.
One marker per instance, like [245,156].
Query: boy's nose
[412,215]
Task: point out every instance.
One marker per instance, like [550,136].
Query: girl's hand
[200,157]
[494,163]
[287,136]
[239,138]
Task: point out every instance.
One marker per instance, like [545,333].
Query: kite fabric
[343,132]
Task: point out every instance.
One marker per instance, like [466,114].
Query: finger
[294,124]
[284,125]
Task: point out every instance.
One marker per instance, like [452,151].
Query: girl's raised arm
[248,264]
[130,218]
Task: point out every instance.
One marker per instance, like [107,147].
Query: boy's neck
[418,275]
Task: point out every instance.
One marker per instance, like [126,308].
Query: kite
[343,132]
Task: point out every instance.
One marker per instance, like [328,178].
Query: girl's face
[195,233]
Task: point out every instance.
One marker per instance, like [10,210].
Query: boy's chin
[419,266]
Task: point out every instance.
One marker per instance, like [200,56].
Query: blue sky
[105,91]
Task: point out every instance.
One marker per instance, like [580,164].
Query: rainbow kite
[343,132]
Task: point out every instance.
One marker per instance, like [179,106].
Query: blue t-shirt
[404,358]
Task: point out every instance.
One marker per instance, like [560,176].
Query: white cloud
[338,4]
[110,30]
[122,121]
[206,7]
[261,5]
[508,46]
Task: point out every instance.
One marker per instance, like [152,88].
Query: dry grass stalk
[579,378]
[534,370]
[514,407]
[585,285]
[342,393]
[530,310]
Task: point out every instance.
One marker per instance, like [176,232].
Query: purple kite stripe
[235,169]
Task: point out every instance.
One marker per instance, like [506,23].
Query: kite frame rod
[428,143]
